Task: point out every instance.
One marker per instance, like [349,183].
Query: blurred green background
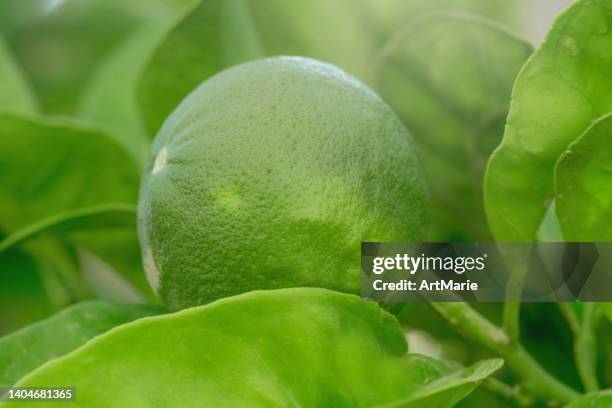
[89,67]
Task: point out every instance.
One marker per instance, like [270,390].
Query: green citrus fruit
[270,175]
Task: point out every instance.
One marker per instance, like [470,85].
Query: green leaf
[15,94]
[32,346]
[389,16]
[289,347]
[560,91]
[451,388]
[72,37]
[582,185]
[110,98]
[109,101]
[449,78]
[57,268]
[111,216]
[50,167]
[595,400]
[220,33]
[109,231]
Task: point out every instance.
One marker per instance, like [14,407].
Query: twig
[517,260]
[584,342]
[507,393]
[477,328]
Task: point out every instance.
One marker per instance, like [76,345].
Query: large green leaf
[582,189]
[449,77]
[217,34]
[596,400]
[561,90]
[15,94]
[289,347]
[50,167]
[32,346]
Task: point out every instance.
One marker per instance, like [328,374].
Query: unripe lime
[270,175]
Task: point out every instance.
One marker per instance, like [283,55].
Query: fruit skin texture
[270,175]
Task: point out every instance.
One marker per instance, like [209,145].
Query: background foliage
[86,84]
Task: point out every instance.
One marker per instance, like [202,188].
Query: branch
[477,328]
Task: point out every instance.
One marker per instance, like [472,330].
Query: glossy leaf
[220,33]
[563,87]
[583,178]
[289,347]
[32,346]
[596,400]
[449,77]
[15,93]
